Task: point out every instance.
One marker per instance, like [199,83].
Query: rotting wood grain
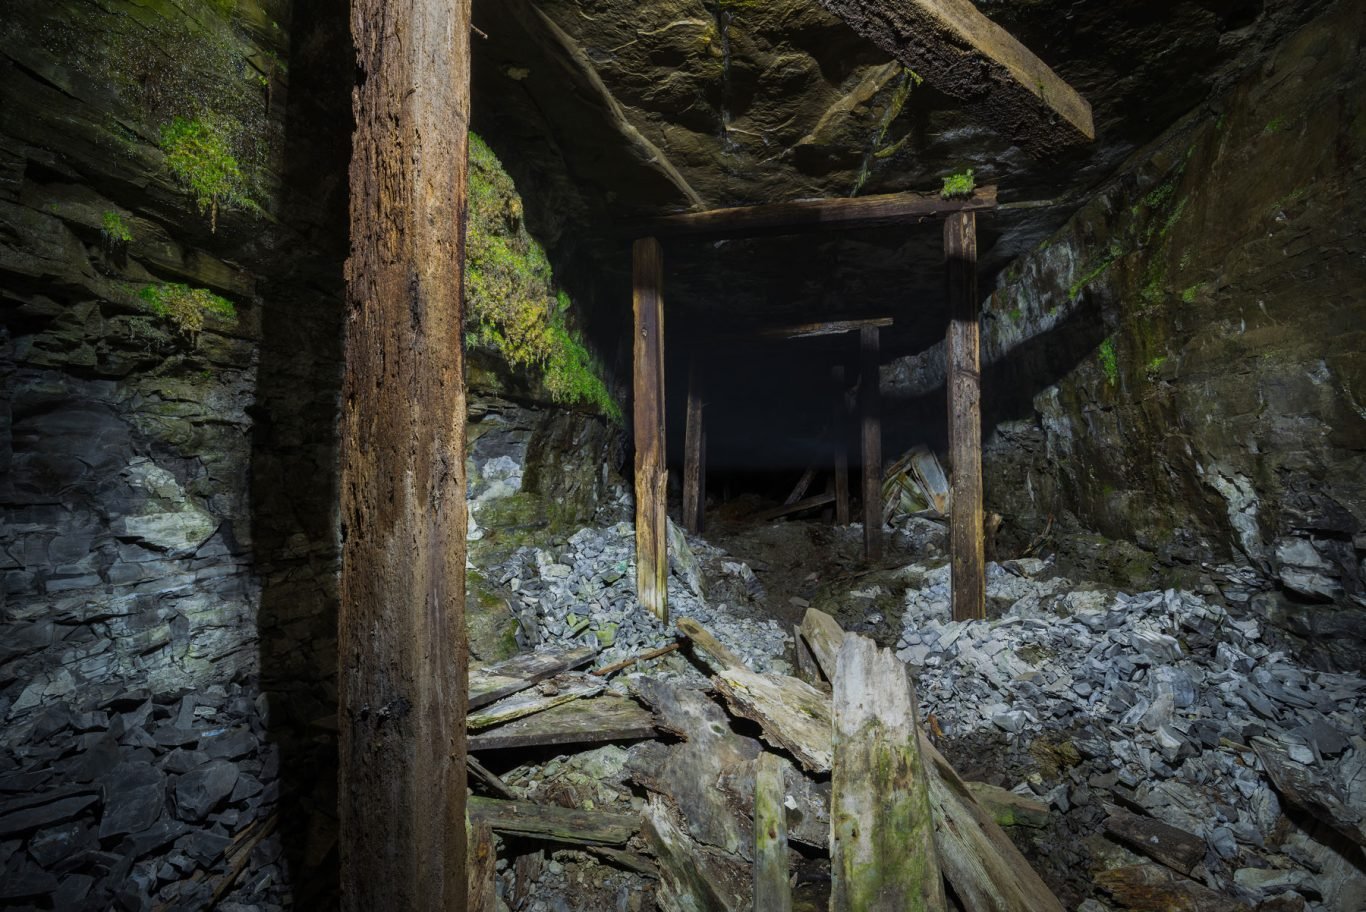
[967,543]
[651,472]
[601,719]
[402,655]
[772,889]
[882,849]
[502,679]
[574,826]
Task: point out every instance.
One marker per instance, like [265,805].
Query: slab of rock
[200,791]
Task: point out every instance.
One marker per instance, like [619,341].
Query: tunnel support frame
[694,453]
[870,412]
[964,379]
[651,471]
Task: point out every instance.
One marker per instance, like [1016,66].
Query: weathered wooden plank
[882,850]
[651,473]
[643,657]
[965,55]
[604,718]
[694,482]
[803,483]
[401,647]
[824,637]
[791,713]
[985,869]
[553,823]
[1153,888]
[967,544]
[839,422]
[1173,847]
[800,216]
[772,890]
[1008,808]
[502,679]
[701,638]
[546,695]
[489,778]
[827,328]
[692,878]
[483,868]
[870,413]
[806,503]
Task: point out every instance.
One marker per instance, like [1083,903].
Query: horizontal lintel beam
[800,216]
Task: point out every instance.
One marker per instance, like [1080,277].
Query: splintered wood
[882,854]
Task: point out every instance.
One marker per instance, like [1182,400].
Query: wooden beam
[573,826]
[605,718]
[799,216]
[965,55]
[402,654]
[882,851]
[808,503]
[652,534]
[502,679]
[803,483]
[870,409]
[772,889]
[694,482]
[967,543]
[828,328]
[839,420]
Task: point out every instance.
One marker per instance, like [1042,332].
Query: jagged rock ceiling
[609,111]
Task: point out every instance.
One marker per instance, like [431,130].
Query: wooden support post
[694,481]
[839,420]
[652,534]
[882,851]
[402,655]
[772,889]
[870,408]
[483,868]
[966,539]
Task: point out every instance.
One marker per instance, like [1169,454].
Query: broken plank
[965,55]
[882,850]
[702,638]
[692,878]
[772,890]
[546,695]
[791,713]
[483,870]
[839,421]
[1150,888]
[643,657]
[553,823]
[502,679]
[827,328]
[807,503]
[604,718]
[1181,851]
[800,216]
[980,862]
[824,636]
[799,491]
[806,666]
[489,778]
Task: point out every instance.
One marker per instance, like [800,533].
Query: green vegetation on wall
[198,154]
[113,228]
[184,306]
[513,307]
[1109,361]
[960,184]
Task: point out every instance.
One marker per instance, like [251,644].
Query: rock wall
[1183,365]
[170,271]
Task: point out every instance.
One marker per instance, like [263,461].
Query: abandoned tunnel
[688,456]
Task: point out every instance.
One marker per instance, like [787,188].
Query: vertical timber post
[694,476]
[652,532]
[839,420]
[402,656]
[870,408]
[966,540]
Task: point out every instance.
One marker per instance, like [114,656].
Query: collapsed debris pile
[143,803]
[1165,703]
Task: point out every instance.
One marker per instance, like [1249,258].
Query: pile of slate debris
[142,803]
[1159,719]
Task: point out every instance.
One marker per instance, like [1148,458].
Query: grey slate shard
[130,810]
[52,846]
[198,792]
[43,815]
[231,745]
[182,761]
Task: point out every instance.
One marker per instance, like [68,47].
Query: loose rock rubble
[1150,701]
[143,802]
[585,593]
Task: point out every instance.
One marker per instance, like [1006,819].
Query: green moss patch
[958,185]
[113,228]
[513,306]
[1109,361]
[198,154]
[185,307]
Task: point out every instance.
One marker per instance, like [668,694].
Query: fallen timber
[724,810]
